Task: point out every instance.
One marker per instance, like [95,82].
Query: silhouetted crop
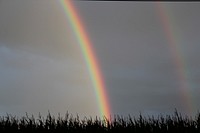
[69,124]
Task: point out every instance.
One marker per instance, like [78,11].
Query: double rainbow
[92,64]
[89,56]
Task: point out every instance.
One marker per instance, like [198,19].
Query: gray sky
[42,67]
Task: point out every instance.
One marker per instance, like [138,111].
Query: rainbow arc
[89,56]
[174,40]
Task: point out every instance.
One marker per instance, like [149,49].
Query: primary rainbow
[174,38]
[90,58]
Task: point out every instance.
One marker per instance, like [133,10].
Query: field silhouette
[69,124]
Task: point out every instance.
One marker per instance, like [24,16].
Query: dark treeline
[69,124]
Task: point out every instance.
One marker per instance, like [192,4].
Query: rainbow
[174,38]
[89,56]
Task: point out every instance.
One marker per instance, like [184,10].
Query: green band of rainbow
[88,52]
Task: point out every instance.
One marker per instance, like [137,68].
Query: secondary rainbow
[173,36]
[89,56]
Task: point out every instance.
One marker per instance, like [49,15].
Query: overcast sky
[42,67]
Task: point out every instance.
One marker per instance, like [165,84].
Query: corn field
[69,124]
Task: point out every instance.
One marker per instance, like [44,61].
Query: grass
[69,124]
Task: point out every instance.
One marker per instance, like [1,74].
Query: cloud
[35,83]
